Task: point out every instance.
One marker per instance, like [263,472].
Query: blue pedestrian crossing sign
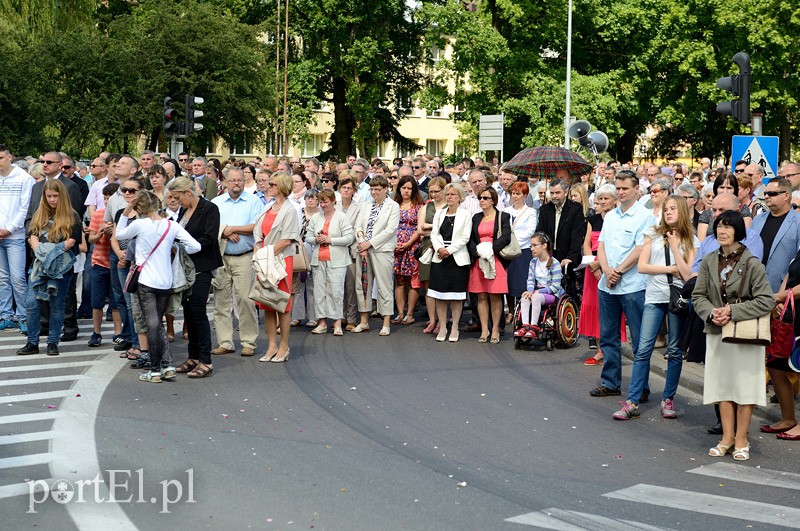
[761,150]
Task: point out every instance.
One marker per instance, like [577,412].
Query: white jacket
[462,229]
[15,197]
[270,269]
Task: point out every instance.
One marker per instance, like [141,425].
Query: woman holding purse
[732,285]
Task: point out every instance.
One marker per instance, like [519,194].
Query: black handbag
[677,304]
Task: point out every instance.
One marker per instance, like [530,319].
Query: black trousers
[196,319]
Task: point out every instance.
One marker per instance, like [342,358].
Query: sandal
[742,454]
[133,353]
[397,320]
[408,320]
[429,328]
[495,340]
[483,339]
[721,449]
[186,335]
[201,370]
[187,365]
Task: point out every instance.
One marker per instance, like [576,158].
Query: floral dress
[405,264]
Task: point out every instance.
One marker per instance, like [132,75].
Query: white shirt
[524,223]
[157,271]
[657,285]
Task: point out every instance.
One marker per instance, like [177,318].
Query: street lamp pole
[569,74]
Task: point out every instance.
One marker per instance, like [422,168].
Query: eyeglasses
[787,175]
[775,194]
[416,167]
[654,191]
[795,207]
[271,184]
[485,197]
[96,165]
[738,171]
[128,190]
[50,161]
[66,167]
[183,160]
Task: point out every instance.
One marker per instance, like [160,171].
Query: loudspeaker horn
[599,139]
[579,130]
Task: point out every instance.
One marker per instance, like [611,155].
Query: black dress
[448,279]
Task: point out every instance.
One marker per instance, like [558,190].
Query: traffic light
[192,113]
[169,123]
[738,85]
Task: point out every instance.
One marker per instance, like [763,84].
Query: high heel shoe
[453,336]
[720,449]
[268,356]
[280,360]
[442,335]
[742,454]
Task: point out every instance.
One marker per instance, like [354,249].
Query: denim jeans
[13,280]
[154,305]
[611,308]
[652,317]
[56,306]
[126,310]
[117,301]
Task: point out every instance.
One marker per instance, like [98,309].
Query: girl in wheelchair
[543,287]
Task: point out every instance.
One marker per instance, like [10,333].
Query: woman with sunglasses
[491,232]
[330,181]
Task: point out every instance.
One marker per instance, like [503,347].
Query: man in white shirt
[94,200]
[15,196]
[477,182]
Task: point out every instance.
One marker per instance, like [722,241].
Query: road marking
[30,417]
[13,399]
[16,336]
[26,460]
[42,380]
[26,437]
[749,474]
[63,354]
[75,448]
[700,502]
[21,489]
[46,366]
[561,520]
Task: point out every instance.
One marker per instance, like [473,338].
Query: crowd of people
[327,246]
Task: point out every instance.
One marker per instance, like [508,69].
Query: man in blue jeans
[621,288]
[15,195]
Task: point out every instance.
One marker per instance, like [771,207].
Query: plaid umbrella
[542,162]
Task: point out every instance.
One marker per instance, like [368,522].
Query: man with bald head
[791,172]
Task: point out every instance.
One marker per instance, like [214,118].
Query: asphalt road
[368,432]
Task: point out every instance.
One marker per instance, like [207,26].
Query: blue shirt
[622,232]
[752,241]
[243,211]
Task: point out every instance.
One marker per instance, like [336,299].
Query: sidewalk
[692,380]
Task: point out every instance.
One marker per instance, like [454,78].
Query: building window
[460,150]
[436,53]
[240,146]
[382,150]
[435,147]
[436,113]
[312,146]
[403,153]
[320,106]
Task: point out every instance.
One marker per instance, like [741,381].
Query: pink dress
[589,320]
[477,282]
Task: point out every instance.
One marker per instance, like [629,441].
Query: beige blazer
[285,227]
[462,228]
[756,293]
[384,232]
[341,233]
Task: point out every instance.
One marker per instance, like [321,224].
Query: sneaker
[95,340]
[7,324]
[629,410]
[52,349]
[592,343]
[122,347]
[23,328]
[168,372]
[604,391]
[28,349]
[150,376]
[668,409]
[117,339]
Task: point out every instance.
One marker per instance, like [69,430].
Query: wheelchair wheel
[566,322]
[517,343]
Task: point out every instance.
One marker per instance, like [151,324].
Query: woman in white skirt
[732,285]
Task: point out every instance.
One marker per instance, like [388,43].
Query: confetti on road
[461,484]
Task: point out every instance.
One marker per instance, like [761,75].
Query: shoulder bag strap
[667,261]
[169,222]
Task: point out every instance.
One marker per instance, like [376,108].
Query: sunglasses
[485,197]
[416,167]
[327,180]
[774,194]
[66,167]
[128,190]
[50,161]
[183,160]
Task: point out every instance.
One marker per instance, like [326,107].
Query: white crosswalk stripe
[684,500]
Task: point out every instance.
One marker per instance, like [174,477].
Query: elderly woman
[303,282]
[727,182]
[491,232]
[523,223]
[692,197]
[732,285]
[376,234]
[450,233]
[352,208]
[279,227]
[200,218]
[37,172]
[424,228]
[406,266]
[659,191]
[330,234]
[706,196]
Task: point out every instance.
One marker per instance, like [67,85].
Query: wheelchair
[557,326]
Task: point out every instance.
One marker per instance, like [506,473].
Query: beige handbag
[301,262]
[750,331]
